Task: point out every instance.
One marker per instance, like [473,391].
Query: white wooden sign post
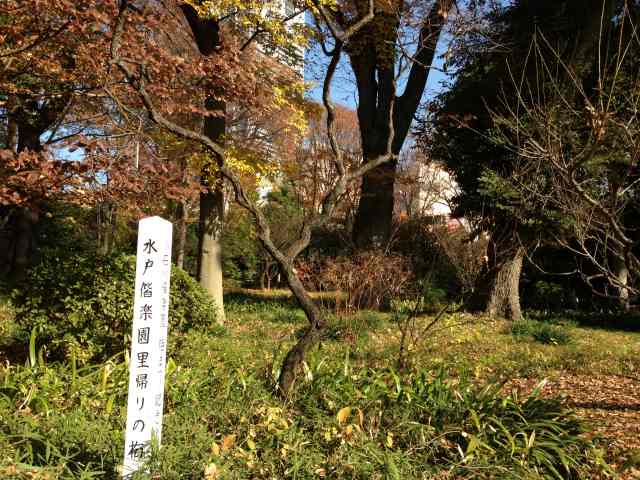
[148,341]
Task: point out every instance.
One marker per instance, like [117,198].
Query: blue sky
[343,87]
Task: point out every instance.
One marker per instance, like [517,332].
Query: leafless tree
[577,147]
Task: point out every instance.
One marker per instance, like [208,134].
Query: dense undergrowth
[82,304]
[351,416]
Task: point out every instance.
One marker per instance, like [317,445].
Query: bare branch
[339,33]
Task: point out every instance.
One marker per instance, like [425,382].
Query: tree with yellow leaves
[202,65]
[136,72]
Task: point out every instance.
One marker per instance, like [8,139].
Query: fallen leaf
[343,414]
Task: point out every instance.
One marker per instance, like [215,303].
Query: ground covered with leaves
[549,398]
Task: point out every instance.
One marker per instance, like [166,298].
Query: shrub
[551,334]
[542,332]
[369,280]
[433,297]
[548,295]
[466,255]
[240,251]
[85,303]
[450,258]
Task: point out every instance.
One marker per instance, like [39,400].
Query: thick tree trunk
[29,138]
[209,252]
[25,219]
[24,243]
[212,214]
[180,221]
[12,126]
[7,239]
[622,276]
[375,80]
[206,33]
[504,296]
[372,226]
[28,119]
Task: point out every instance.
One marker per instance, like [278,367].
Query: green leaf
[33,361]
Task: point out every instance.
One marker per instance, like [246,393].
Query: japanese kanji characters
[148,341]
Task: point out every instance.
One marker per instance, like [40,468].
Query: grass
[352,415]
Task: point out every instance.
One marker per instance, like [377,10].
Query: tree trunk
[8,237]
[28,138]
[106,227]
[209,252]
[504,297]
[181,233]
[206,32]
[24,240]
[294,358]
[377,102]
[180,220]
[212,214]
[12,126]
[372,226]
[622,276]
[27,120]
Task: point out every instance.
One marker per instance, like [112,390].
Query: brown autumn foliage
[56,76]
[367,280]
